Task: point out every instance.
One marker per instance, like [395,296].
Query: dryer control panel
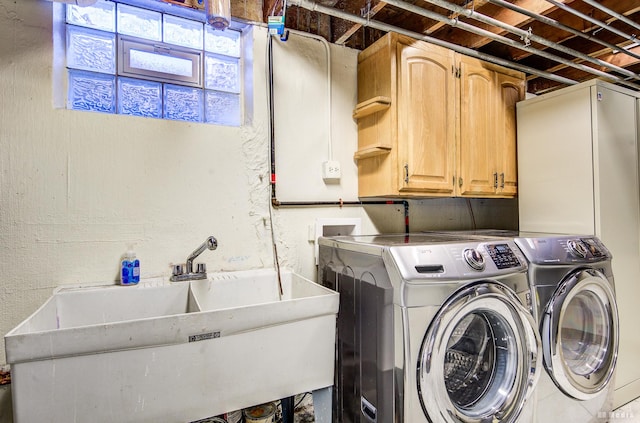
[563,249]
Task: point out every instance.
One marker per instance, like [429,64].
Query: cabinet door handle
[495,180]
[406,173]
[502,180]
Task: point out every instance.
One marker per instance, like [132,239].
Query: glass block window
[139,98]
[139,22]
[182,103]
[183,32]
[138,59]
[222,73]
[91,91]
[101,16]
[222,42]
[91,50]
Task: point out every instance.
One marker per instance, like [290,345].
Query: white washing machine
[431,328]
[576,310]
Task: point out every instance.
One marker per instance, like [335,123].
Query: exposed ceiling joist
[574,46]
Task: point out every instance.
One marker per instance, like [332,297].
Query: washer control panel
[503,256]
[456,260]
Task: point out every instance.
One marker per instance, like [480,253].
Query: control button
[577,248]
[473,258]
[593,248]
[502,256]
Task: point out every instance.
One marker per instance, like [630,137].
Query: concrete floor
[628,413]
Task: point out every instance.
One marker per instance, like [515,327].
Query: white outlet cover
[331,171]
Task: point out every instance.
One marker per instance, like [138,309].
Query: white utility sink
[172,352]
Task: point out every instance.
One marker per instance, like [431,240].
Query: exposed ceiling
[554,42]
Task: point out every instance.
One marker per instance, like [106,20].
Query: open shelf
[371,106]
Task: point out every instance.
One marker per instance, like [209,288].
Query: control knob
[577,248]
[474,259]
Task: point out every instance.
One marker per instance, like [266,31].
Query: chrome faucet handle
[178,270]
[202,268]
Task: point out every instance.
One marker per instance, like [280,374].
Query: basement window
[152,59]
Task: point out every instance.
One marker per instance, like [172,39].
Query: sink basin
[249,299]
[172,352]
[124,317]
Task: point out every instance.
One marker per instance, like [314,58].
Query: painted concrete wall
[78,189]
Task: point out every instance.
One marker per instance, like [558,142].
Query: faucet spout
[210,243]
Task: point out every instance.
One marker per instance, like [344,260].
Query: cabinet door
[477,150]
[510,90]
[426,119]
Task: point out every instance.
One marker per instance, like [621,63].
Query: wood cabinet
[432,122]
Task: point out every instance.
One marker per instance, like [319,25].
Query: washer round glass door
[479,359]
[579,333]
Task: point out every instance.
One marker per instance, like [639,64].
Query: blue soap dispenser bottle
[130,269]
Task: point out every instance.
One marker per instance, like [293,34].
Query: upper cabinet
[432,122]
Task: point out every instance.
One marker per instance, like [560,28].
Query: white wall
[77,189]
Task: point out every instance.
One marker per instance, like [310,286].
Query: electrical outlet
[331,171]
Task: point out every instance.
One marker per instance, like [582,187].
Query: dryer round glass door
[479,358]
[579,333]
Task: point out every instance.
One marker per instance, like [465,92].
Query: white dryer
[431,328]
[575,307]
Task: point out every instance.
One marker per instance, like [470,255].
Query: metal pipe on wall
[559,25]
[315,7]
[507,41]
[527,35]
[275,203]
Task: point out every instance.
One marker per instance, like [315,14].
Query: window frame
[127,43]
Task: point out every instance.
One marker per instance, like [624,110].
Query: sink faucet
[201,273]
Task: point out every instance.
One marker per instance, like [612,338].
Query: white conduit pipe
[504,40]
[592,20]
[613,13]
[526,35]
[315,7]
[556,24]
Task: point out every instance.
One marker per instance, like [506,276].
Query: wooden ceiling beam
[619,59]
[507,16]
[270,8]
[629,7]
[359,8]
[472,5]
[622,60]
[248,10]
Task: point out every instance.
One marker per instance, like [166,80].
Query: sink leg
[287,409]
[322,404]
